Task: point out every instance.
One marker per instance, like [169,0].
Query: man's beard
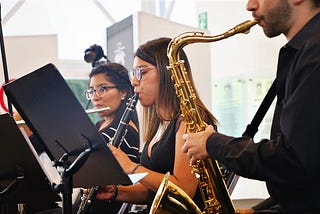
[276,20]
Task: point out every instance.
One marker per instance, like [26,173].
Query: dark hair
[155,53]
[115,73]
[118,75]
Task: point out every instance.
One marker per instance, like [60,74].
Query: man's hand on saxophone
[195,144]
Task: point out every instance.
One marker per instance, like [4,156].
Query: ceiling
[81,23]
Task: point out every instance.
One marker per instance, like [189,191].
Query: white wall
[25,54]
[249,54]
[198,55]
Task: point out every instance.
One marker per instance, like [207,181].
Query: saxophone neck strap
[252,128]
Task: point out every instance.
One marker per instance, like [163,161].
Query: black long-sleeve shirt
[288,162]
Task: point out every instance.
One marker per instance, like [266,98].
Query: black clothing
[129,145]
[288,162]
[162,157]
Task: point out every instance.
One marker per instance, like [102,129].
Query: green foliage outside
[78,86]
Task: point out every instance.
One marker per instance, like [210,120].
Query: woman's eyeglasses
[100,91]
[138,72]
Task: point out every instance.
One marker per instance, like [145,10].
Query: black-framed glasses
[139,71]
[100,91]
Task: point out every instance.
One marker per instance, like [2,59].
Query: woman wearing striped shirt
[109,86]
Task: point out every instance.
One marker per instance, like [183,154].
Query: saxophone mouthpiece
[245,26]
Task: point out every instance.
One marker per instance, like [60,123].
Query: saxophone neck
[186,38]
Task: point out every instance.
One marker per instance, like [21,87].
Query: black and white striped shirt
[130,143]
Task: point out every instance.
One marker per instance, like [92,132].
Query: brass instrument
[212,186]
[88,111]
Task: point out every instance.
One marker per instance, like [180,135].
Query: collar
[311,28]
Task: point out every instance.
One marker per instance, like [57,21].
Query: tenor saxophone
[212,186]
[87,199]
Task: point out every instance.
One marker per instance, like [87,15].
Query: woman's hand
[124,161]
[108,192]
[17,117]
[244,211]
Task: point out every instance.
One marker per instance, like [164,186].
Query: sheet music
[44,161]
[135,178]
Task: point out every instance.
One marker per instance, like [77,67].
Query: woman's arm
[136,194]
[181,176]
[182,172]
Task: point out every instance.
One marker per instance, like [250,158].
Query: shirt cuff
[215,145]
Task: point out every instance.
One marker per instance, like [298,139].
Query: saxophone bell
[176,201]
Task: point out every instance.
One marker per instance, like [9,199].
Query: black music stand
[56,117]
[22,179]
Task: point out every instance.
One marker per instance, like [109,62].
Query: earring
[122,98]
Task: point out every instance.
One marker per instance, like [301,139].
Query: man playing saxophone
[288,161]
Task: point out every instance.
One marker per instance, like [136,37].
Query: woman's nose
[95,96]
[134,81]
